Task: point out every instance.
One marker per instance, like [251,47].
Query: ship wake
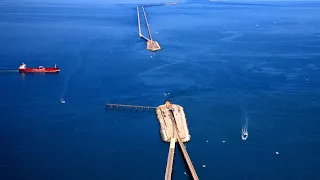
[244,130]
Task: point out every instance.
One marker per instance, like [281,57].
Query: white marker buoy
[203,166]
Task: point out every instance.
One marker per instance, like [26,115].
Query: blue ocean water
[222,61]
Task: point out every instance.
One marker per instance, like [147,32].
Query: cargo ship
[23,69]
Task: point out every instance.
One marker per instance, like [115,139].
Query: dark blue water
[223,62]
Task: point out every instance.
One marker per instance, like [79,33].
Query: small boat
[244,135]
[23,69]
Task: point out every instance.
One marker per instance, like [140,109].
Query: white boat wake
[66,82]
[62,101]
[244,130]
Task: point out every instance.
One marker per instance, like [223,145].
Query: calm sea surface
[225,63]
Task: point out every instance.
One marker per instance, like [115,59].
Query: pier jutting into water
[124,106]
[173,128]
[151,44]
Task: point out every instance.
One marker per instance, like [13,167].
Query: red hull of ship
[39,70]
